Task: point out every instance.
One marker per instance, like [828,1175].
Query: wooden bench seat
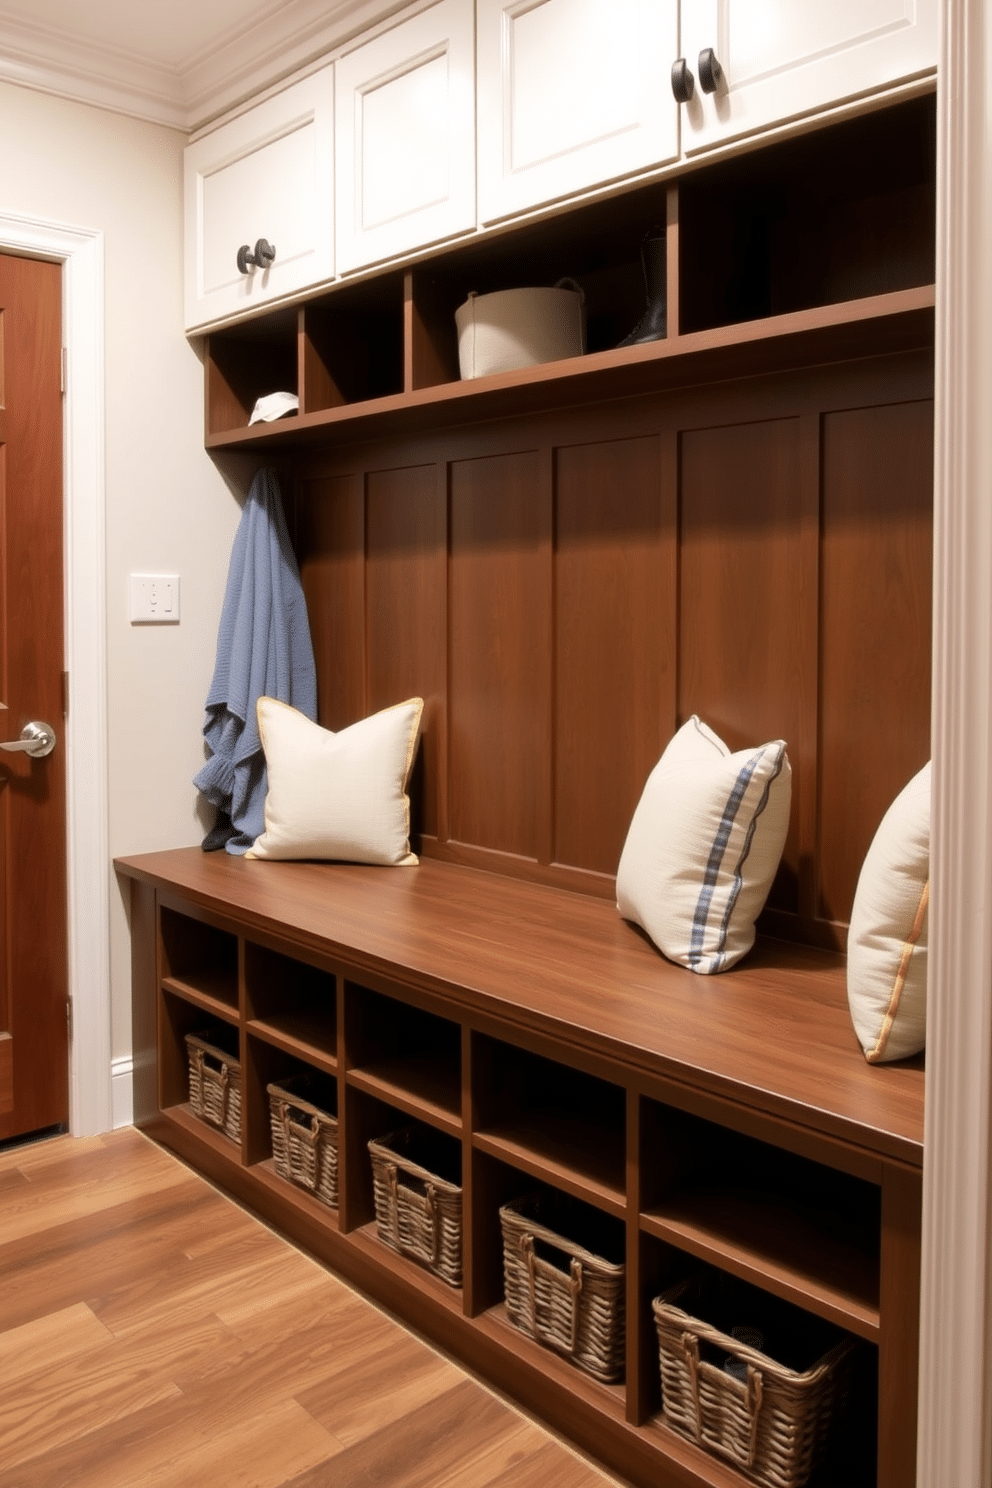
[773,1032]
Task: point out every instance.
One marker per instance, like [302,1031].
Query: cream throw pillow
[704,846]
[338,796]
[887,939]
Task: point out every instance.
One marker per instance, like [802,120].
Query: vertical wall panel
[499,653]
[741,663]
[405,613]
[875,628]
[614,642]
[330,544]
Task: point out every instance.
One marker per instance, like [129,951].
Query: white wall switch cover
[154,599]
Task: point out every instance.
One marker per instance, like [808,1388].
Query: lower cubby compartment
[417,1192]
[777,1394]
[200,957]
[200,1065]
[550,1120]
[803,1230]
[404,1054]
[304,1127]
[292,1002]
[564,1279]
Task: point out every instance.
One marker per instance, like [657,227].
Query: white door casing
[80,251]
[571,94]
[955,1422]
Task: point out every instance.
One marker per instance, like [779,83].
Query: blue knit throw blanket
[263,650]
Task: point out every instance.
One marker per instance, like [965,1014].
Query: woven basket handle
[755,1394]
[217,1076]
[220,1075]
[430,1208]
[309,1133]
[534,1265]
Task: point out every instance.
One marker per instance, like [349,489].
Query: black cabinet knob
[710,71]
[263,254]
[683,81]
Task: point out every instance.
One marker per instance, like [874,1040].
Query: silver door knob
[37,740]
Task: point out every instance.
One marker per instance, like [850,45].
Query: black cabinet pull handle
[710,71]
[683,81]
[264,253]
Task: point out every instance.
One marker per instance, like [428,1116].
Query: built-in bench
[730,1119]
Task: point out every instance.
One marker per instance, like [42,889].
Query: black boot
[652,324]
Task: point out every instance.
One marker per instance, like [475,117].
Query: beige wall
[168,508]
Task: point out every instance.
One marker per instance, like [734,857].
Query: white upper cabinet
[572,94]
[266,175]
[405,123]
[781,59]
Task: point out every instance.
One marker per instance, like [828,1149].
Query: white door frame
[955,1434]
[80,253]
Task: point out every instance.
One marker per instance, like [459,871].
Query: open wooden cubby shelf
[816,246]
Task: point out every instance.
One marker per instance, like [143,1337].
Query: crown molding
[37,57]
[296,35]
[282,40]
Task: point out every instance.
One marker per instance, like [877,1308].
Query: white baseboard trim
[122,1091]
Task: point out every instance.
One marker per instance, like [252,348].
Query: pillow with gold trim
[338,796]
[887,939]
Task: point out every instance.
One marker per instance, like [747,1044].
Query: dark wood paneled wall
[565,589]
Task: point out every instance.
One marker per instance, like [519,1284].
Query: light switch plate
[154,599]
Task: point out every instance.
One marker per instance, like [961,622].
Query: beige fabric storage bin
[519,328]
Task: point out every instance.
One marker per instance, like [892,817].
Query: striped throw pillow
[704,845]
[887,939]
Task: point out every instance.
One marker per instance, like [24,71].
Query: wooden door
[572,93]
[786,58]
[34,1038]
[269,174]
[405,137]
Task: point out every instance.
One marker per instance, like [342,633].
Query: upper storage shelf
[818,248]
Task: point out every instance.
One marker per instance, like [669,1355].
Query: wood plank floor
[152,1333]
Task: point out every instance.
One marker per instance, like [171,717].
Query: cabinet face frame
[405,124]
[526,158]
[282,148]
[825,55]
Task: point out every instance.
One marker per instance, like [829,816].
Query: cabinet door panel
[785,58]
[267,174]
[406,167]
[572,93]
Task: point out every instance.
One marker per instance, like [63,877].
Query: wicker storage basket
[770,1420]
[215,1080]
[419,1210]
[573,1303]
[305,1135]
